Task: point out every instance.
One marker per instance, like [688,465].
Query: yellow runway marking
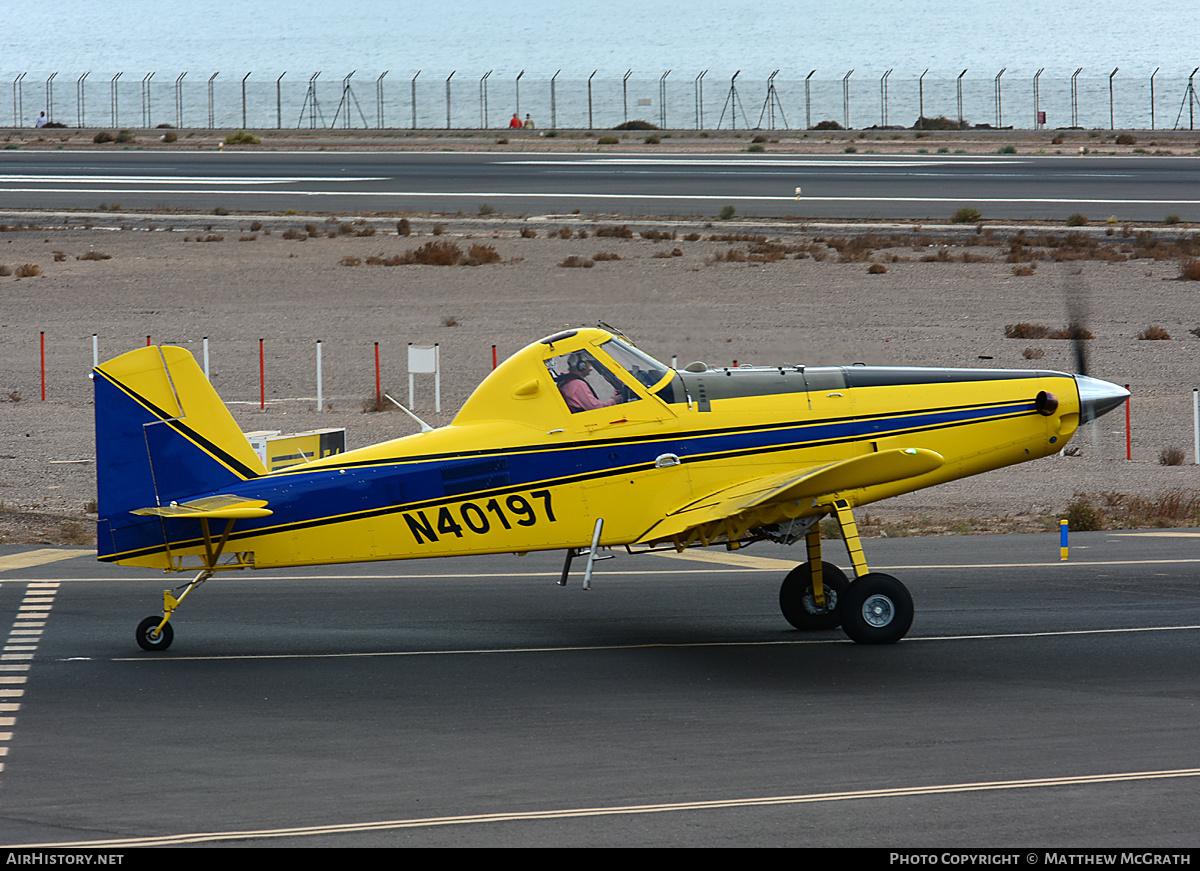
[38,558]
[622,810]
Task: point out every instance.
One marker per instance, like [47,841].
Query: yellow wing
[775,497]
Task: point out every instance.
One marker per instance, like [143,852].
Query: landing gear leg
[155,633]
[877,608]
[812,593]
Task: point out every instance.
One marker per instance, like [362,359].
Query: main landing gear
[874,608]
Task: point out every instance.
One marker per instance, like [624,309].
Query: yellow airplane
[579,441]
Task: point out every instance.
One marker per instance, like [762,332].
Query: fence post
[625,92]
[518,87]
[662,100]
[1075,97]
[1152,75]
[113,98]
[553,102]
[999,109]
[244,100]
[807,103]
[279,101]
[211,118]
[960,112]
[146,123]
[448,78]
[18,100]
[80,115]
[698,88]
[1036,98]
[50,96]
[179,99]
[379,100]
[883,99]
[921,100]
[1111,123]
[414,100]
[846,98]
[590,124]
[483,101]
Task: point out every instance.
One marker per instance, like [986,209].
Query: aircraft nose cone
[1098,397]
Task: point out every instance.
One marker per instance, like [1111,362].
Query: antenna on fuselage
[424,426]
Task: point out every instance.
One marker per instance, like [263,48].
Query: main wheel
[798,604]
[877,609]
[147,641]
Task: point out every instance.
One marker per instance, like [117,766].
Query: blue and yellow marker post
[1062,538]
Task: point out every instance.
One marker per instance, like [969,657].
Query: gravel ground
[162,281]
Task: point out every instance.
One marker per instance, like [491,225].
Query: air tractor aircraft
[578,442]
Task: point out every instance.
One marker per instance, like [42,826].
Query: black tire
[877,609]
[146,642]
[796,597]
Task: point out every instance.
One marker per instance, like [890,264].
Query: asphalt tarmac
[1018,187]
[472,702]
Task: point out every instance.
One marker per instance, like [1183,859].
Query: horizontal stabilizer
[216,507]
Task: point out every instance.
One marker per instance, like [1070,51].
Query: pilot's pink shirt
[579,396]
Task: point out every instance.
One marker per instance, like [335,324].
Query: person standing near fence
[515,123]
[42,120]
[529,125]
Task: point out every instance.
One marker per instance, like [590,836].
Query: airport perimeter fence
[670,100]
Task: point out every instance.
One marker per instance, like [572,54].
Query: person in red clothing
[515,123]
[575,387]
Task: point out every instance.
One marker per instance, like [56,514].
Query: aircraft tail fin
[162,435]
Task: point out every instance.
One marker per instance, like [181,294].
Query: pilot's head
[578,364]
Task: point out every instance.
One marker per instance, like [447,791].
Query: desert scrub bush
[480,254]
[28,270]
[663,255]
[1154,333]
[255,226]
[171,136]
[941,122]
[94,255]
[1172,219]
[876,269]
[1033,353]
[528,233]
[1007,149]
[574,262]
[350,261]
[727,213]
[450,321]
[59,256]
[485,209]
[605,255]
[1082,515]
[5,270]
[618,232]
[1189,270]
[652,140]
[102,137]
[293,233]
[1023,270]
[241,137]
[403,227]
[755,149]
[966,215]
[1077,220]
[1170,456]
[1125,139]
[657,235]
[249,237]
[438,229]
[1041,331]
[563,233]
[124,136]
[637,124]
[826,125]
[607,140]
[435,254]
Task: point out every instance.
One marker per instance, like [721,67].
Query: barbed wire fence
[670,100]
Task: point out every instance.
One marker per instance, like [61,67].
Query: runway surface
[919,187]
[474,702]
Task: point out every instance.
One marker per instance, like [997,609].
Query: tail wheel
[798,603]
[877,609]
[148,639]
